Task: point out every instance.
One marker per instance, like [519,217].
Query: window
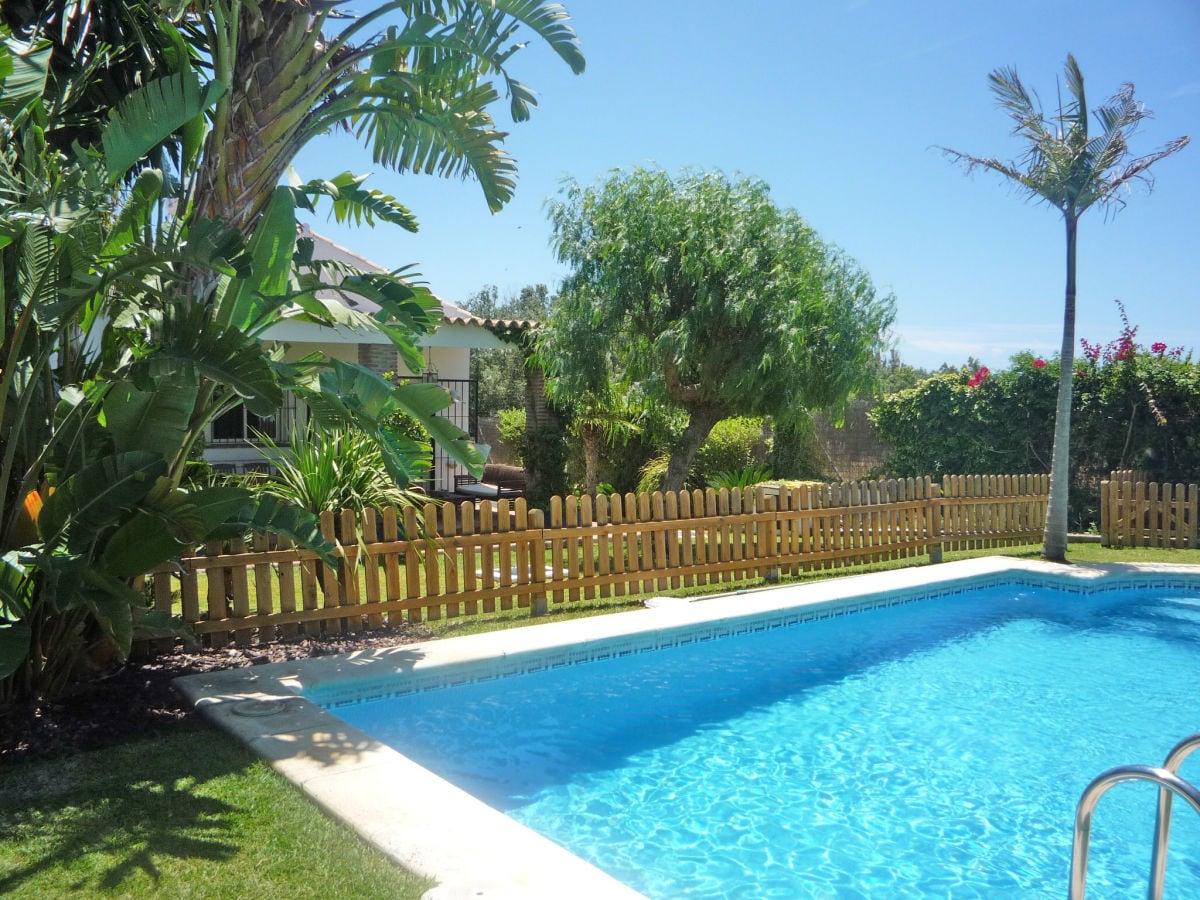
[238,425]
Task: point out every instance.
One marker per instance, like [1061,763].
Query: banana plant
[143,267]
[106,365]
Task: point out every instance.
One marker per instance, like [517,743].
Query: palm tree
[1072,170]
[416,93]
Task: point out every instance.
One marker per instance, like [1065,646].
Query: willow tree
[709,297]
[1071,168]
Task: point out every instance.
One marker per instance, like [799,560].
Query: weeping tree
[1072,168]
[711,299]
[144,262]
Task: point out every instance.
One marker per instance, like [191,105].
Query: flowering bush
[1133,408]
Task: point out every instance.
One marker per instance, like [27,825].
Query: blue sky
[840,107]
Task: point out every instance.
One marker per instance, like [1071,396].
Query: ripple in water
[932,750]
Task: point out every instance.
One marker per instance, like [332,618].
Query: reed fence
[480,557]
[1135,513]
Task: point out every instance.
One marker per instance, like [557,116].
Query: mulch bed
[135,700]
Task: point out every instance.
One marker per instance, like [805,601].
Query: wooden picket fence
[471,558]
[1140,514]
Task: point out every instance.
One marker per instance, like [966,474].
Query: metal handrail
[1162,821]
[1087,805]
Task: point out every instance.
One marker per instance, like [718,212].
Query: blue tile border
[394,684]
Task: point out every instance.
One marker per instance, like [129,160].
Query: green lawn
[197,815]
[192,815]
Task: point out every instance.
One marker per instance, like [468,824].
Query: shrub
[1132,409]
[331,470]
[741,478]
[512,432]
[652,473]
[732,445]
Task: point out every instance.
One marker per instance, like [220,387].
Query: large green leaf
[14,646]
[420,400]
[192,341]
[157,421]
[112,602]
[26,78]
[16,586]
[138,546]
[169,523]
[265,513]
[270,249]
[98,496]
[350,396]
[135,212]
[273,243]
[150,114]
[214,245]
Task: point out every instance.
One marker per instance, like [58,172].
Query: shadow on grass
[118,813]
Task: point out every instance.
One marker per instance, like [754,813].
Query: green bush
[740,478]
[1133,408]
[652,473]
[795,453]
[512,432]
[732,445]
[544,452]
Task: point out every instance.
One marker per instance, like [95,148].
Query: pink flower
[1039,363]
[1091,351]
[1158,347]
[979,377]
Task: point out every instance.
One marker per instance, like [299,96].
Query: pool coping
[438,830]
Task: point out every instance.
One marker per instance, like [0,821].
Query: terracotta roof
[324,248]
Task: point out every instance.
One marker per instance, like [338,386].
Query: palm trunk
[1054,540]
[701,420]
[258,128]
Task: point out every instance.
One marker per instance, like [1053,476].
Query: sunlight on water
[932,750]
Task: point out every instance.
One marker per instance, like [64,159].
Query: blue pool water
[935,749]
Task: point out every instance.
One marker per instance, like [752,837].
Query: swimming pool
[915,747]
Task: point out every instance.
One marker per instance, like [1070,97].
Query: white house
[230,442]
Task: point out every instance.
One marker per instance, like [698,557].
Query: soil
[135,700]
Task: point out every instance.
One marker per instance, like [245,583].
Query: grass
[191,815]
[197,815]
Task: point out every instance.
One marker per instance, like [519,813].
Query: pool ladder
[1169,783]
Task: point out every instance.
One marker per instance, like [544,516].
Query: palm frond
[550,22]
[1065,165]
[448,139]
[358,205]
[150,114]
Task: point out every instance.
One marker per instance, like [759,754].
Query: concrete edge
[438,830]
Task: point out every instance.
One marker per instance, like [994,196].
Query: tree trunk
[701,420]
[590,434]
[259,134]
[1054,540]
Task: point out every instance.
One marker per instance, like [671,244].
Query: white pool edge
[439,831]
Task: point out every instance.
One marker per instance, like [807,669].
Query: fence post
[1105,515]
[935,521]
[538,605]
[768,532]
